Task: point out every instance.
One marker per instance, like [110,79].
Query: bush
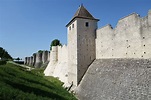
[55,42]
[3,62]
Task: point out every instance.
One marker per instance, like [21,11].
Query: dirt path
[28,68]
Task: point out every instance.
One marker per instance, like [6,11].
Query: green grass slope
[18,84]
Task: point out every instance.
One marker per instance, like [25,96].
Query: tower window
[70,28]
[87,24]
[72,25]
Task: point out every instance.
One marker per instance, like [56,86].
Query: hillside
[16,83]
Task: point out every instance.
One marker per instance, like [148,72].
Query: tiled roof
[82,12]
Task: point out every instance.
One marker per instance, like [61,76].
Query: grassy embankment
[16,83]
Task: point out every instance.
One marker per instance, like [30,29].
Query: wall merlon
[105,32]
[149,12]
[144,21]
[130,21]
[130,15]
[149,17]
[106,26]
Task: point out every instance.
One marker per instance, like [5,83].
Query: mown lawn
[18,84]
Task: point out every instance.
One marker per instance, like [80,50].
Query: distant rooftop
[82,12]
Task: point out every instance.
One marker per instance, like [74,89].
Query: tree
[55,42]
[40,51]
[18,59]
[4,54]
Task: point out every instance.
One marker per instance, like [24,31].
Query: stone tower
[81,44]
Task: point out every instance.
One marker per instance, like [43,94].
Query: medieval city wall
[129,39]
[116,79]
[52,62]
[62,53]
[61,69]
[113,77]
[38,59]
[58,66]
[45,57]
[25,62]
[122,66]
[31,61]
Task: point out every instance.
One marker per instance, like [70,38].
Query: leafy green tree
[55,42]
[40,51]
[18,59]
[4,54]
[34,54]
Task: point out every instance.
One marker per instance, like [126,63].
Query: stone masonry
[106,63]
[116,79]
[38,59]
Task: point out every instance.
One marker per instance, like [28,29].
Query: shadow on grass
[38,83]
[36,91]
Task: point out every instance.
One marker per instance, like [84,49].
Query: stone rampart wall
[62,53]
[38,59]
[30,61]
[116,79]
[58,66]
[45,56]
[25,62]
[131,38]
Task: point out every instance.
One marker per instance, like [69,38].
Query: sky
[27,26]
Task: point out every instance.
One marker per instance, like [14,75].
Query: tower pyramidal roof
[82,12]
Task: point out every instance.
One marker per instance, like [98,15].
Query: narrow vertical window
[70,28]
[87,24]
[72,25]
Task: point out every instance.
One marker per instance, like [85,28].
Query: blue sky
[27,26]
